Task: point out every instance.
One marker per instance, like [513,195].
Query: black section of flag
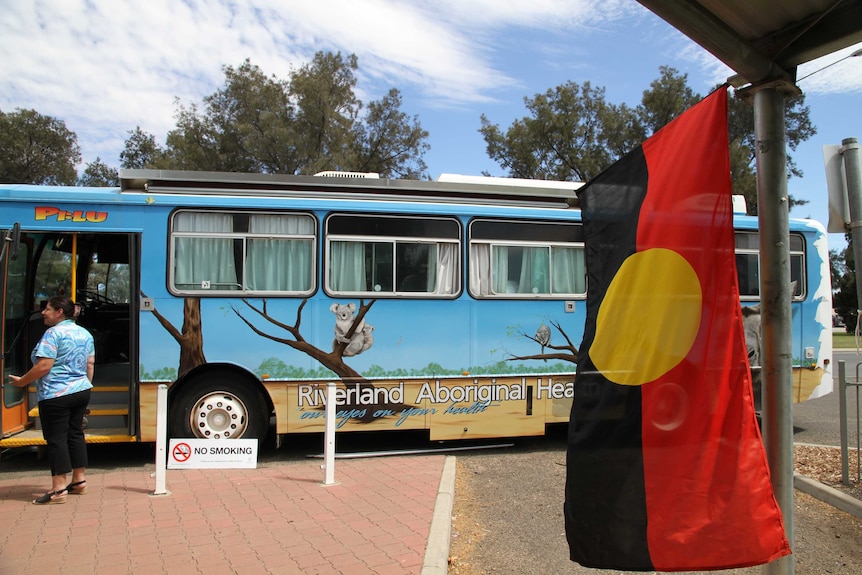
[605,509]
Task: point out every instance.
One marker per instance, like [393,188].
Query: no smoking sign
[212,453]
[181,452]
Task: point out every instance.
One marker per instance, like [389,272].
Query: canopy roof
[764,41]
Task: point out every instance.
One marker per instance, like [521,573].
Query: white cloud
[106,66]
[836,73]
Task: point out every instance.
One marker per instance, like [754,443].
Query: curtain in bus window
[568,271]
[279,264]
[535,268]
[204,259]
[500,271]
[480,269]
[445,270]
[347,266]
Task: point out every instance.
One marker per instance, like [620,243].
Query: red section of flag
[708,494]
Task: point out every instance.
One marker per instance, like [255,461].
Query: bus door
[103,281]
[98,271]
[14,260]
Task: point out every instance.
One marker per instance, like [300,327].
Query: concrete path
[377,519]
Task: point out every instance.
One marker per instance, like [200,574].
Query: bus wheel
[218,407]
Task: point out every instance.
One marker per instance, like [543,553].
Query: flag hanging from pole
[666,469]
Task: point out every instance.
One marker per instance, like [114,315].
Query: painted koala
[344,319]
[360,341]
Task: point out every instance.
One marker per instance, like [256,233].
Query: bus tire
[218,406]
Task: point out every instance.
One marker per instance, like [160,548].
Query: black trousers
[63,428]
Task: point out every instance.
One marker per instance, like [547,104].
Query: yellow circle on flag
[648,319]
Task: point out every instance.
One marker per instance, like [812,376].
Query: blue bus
[455,306]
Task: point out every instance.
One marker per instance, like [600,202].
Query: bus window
[54,268]
[748,265]
[384,255]
[527,259]
[257,253]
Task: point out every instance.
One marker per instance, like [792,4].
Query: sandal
[51,498]
[77,488]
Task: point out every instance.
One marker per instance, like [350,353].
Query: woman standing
[63,364]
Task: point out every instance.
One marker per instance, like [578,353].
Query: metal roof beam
[814,37]
[720,40]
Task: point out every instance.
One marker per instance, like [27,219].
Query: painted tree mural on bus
[344,334]
[349,329]
[190,337]
[543,337]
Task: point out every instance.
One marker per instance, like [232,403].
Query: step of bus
[33,437]
[100,416]
[95,411]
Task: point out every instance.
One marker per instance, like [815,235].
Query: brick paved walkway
[278,519]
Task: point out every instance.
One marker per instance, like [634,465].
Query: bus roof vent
[337,174]
[509,182]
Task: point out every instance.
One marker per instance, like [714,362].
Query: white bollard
[329,436]
[161,440]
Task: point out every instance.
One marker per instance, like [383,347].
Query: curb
[828,495]
[437,550]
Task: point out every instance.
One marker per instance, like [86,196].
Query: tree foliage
[99,174]
[140,150]
[842,266]
[311,122]
[573,133]
[798,128]
[37,149]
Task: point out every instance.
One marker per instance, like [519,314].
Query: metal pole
[775,296]
[842,421]
[329,436]
[853,177]
[161,439]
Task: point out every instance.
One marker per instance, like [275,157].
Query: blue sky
[107,66]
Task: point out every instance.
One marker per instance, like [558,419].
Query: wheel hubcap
[219,415]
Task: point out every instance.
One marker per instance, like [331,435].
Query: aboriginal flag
[666,469]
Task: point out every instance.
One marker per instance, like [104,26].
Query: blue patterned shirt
[69,345]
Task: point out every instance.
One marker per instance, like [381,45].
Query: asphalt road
[816,421]
[508,506]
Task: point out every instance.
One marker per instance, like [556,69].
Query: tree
[326,110]
[309,123]
[668,97]
[97,173]
[573,133]
[842,265]
[798,128]
[389,142]
[37,149]
[140,151]
[563,139]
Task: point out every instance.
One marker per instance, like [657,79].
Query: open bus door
[14,257]
[101,270]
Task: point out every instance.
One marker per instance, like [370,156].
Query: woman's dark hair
[63,303]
